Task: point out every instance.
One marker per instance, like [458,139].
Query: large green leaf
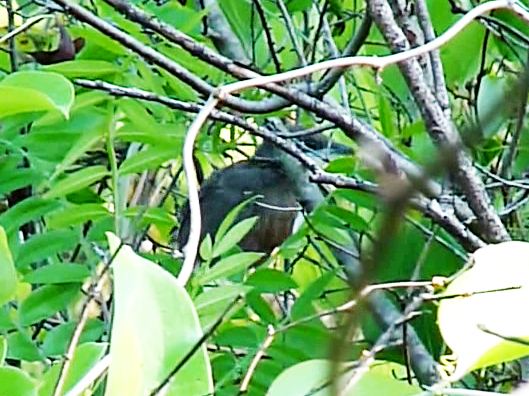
[8,275]
[491,112]
[25,211]
[46,245]
[16,100]
[15,382]
[155,325]
[486,308]
[268,280]
[383,378]
[18,178]
[77,214]
[36,88]
[46,301]
[58,273]
[20,346]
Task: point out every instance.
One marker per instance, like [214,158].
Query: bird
[277,202]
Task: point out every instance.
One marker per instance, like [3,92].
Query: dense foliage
[96,100]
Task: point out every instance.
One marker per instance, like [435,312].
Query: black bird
[262,175]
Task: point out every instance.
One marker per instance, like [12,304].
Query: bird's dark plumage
[230,186]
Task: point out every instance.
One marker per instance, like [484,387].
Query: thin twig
[353,303]
[257,358]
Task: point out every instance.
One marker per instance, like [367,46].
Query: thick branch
[441,129]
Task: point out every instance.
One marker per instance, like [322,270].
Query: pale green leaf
[155,324]
[383,378]
[15,382]
[488,303]
[59,90]
[8,275]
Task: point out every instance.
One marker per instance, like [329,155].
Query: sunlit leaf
[486,311]
[41,86]
[15,382]
[383,378]
[8,275]
[154,326]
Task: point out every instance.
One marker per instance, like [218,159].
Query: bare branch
[441,129]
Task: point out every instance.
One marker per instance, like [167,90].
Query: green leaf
[84,358]
[303,305]
[154,326]
[6,316]
[19,178]
[56,340]
[76,181]
[493,114]
[268,280]
[342,165]
[86,68]
[233,236]
[20,346]
[46,301]
[211,303]
[206,248]
[386,116]
[77,214]
[15,100]
[15,382]
[26,211]
[149,158]
[43,246]
[8,274]
[79,148]
[145,216]
[383,378]
[298,5]
[231,217]
[261,307]
[52,86]
[58,273]
[353,220]
[473,323]
[229,266]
